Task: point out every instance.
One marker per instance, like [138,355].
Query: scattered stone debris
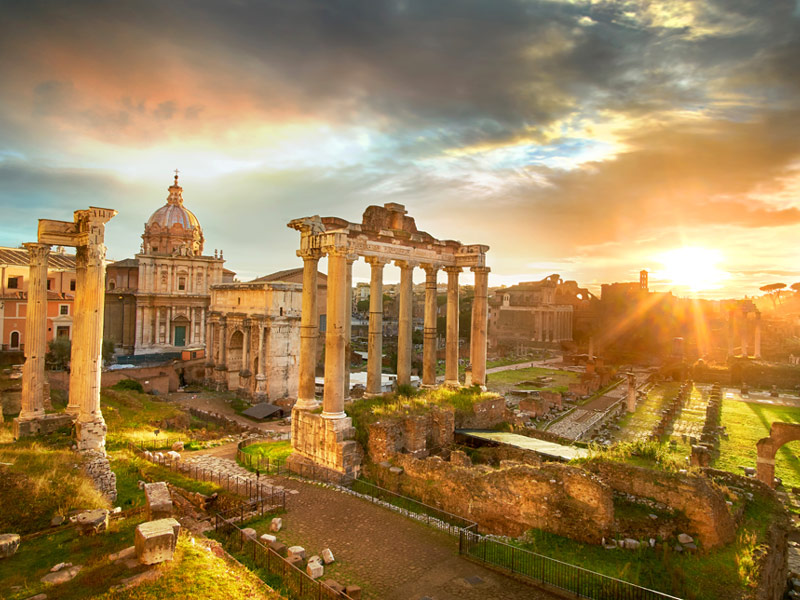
[92,522]
[61,576]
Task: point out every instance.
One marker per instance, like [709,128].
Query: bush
[128,384]
[59,352]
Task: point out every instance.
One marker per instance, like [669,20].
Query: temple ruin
[385,234]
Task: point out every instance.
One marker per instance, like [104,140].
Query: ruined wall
[418,435]
[484,415]
[510,500]
[325,442]
[701,502]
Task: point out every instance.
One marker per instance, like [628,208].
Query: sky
[590,138]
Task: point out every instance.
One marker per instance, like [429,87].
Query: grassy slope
[506,379]
[747,423]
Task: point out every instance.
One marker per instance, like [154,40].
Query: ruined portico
[86,234]
[386,234]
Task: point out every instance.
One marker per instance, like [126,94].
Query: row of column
[337,337]
[552,325]
[87,340]
[148,331]
[218,336]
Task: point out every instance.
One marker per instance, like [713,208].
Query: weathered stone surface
[315,570]
[159,501]
[327,443]
[327,556]
[156,540]
[631,544]
[297,551]
[173,456]
[248,533]
[295,561]
[42,425]
[353,591]
[57,520]
[684,538]
[334,585]
[128,552]
[279,548]
[59,566]
[178,446]
[99,470]
[92,521]
[9,542]
[267,539]
[61,576]
[276,524]
[459,458]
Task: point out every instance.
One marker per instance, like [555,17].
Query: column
[35,334]
[348,328]
[375,348]
[757,340]
[480,318]
[223,343]
[76,365]
[248,340]
[429,331]
[190,334]
[261,377]
[743,334]
[451,341]
[333,398]
[309,327]
[404,325]
[137,343]
[90,427]
[209,343]
[203,330]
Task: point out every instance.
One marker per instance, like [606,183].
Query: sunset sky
[586,138]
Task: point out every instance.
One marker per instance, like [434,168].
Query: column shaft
[77,365]
[375,348]
[404,325]
[348,327]
[35,334]
[429,347]
[480,318]
[309,328]
[333,399]
[451,356]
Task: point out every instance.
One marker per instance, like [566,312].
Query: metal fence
[268,466]
[252,490]
[296,583]
[157,444]
[550,572]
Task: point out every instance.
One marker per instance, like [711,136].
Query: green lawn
[747,423]
[506,380]
[648,412]
[274,451]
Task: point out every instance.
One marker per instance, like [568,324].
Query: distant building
[14,278]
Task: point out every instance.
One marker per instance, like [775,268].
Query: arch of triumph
[384,235]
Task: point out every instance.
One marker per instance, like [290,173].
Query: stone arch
[235,350]
[779,434]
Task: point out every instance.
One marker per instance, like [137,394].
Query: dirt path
[390,556]
[215,402]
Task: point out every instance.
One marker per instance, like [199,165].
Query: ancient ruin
[385,234]
[779,434]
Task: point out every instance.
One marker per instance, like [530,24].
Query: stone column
[404,323]
[333,398]
[202,326]
[33,378]
[743,334]
[429,333]
[137,342]
[451,356]
[480,318]
[90,427]
[757,339]
[190,336]
[348,328]
[375,348]
[309,328]
[221,367]
[261,378]
[76,365]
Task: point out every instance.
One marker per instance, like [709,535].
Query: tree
[362,306]
[59,353]
[795,286]
[774,291]
[108,352]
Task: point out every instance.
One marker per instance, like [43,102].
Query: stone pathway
[392,557]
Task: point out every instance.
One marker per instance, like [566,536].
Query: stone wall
[512,499]
[418,435]
[484,415]
[702,503]
[328,443]
[99,470]
[42,425]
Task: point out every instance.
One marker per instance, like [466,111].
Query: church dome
[173,228]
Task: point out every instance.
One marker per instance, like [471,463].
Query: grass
[505,380]
[42,481]
[643,453]
[195,572]
[276,452]
[746,423]
[128,467]
[133,416]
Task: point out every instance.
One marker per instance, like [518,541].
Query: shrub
[129,384]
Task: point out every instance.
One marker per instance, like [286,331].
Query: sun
[692,268]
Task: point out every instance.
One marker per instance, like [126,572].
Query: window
[62,332]
[71,285]
[14,283]
[15,340]
[49,284]
[63,309]
[181,283]
[112,284]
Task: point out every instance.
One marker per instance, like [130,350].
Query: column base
[91,435]
[452,383]
[336,415]
[325,442]
[373,394]
[306,404]
[41,425]
[74,411]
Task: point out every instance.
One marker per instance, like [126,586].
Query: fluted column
[309,328]
[480,317]
[451,342]
[348,328]
[375,348]
[333,398]
[429,333]
[76,369]
[137,342]
[91,427]
[757,340]
[35,334]
[404,324]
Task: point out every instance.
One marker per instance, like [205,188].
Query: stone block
[9,542]
[684,538]
[279,548]
[92,521]
[460,458]
[156,540]
[43,425]
[178,446]
[276,524]
[159,501]
[295,561]
[315,570]
[327,556]
[334,585]
[267,539]
[248,533]
[61,576]
[173,456]
[353,591]
[297,551]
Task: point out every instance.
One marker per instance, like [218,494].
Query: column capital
[452,269]
[37,253]
[376,261]
[309,253]
[481,270]
[404,264]
[430,268]
[332,250]
[351,258]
